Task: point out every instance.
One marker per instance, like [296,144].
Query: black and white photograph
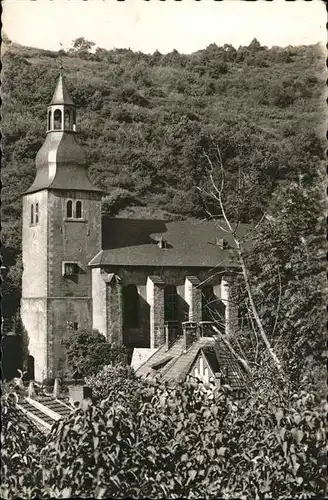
[163,249]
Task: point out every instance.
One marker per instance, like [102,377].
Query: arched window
[78,210]
[36,213]
[67,125]
[49,120]
[170,303]
[57,119]
[130,306]
[32,214]
[69,208]
[208,303]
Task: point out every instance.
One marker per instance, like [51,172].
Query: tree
[87,352]
[288,274]
[280,287]
[81,46]
[244,189]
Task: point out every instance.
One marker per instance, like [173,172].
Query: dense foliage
[286,267]
[21,443]
[117,384]
[185,441]
[146,119]
[87,352]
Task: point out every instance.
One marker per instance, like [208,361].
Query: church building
[138,282]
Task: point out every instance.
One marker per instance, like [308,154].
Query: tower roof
[61,163]
[61,95]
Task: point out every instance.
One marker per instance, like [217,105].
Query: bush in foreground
[183,441]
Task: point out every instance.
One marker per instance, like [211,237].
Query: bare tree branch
[217,195]
[232,350]
[278,305]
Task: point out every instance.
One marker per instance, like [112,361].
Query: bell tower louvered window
[69,209]
[78,210]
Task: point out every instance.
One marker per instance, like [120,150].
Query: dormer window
[222,243]
[70,269]
[162,243]
[69,209]
[49,120]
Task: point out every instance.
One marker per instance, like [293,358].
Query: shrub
[88,352]
[185,441]
[177,441]
[21,442]
[48,382]
[118,385]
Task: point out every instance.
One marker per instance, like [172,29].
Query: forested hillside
[146,120]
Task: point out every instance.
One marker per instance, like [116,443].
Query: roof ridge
[149,359]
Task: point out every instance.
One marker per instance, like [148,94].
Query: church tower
[61,233]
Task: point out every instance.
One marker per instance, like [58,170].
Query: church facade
[136,281]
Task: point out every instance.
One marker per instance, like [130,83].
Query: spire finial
[60,59]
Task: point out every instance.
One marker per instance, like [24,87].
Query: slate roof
[44,411]
[61,94]
[175,364]
[61,164]
[192,243]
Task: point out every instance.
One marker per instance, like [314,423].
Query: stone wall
[35,247]
[99,307]
[151,300]
[114,309]
[62,314]
[76,240]
[34,319]
[51,302]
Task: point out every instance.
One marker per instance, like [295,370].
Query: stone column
[114,306]
[155,299]
[193,297]
[231,311]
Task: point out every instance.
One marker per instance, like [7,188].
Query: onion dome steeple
[61,162]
